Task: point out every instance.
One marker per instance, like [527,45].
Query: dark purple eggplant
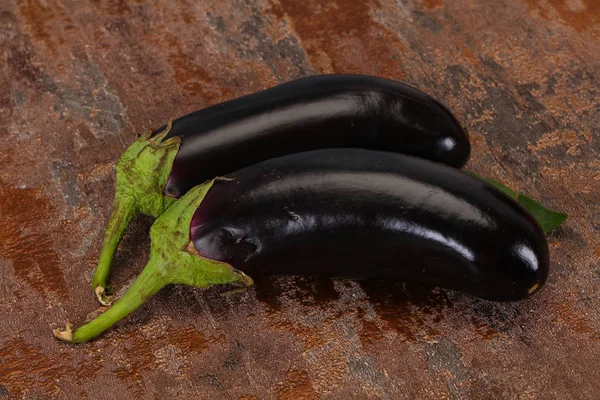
[316,112]
[343,213]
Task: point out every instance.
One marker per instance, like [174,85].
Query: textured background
[79,80]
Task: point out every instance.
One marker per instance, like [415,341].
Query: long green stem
[142,172]
[124,209]
[173,260]
[145,286]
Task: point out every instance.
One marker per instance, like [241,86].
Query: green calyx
[141,175]
[173,260]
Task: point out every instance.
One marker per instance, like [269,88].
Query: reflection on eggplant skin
[526,254]
[262,125]
[426,233]
[367,214]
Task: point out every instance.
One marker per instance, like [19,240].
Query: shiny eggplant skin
[310,113]
[368,214]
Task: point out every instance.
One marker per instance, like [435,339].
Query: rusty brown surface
[80,79]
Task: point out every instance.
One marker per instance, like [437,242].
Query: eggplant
[352,213]
[316,112]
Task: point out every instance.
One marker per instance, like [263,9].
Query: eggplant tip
[102,295]
[64,334]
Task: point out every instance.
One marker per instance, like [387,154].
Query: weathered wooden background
[79,80]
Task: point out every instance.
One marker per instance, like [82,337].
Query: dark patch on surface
[427,21]
[291,52]
[216,22]
[458,77]
[66,175]
[595,220]
[445,357]
[578,77]
[257,43]
[134,246]
[308,291]
[319,292]
[92,100]
[19,97]
[551,81]
[409,308]
[492,65]
[570,235]
[20,56]
[269,291]
[211,380]
[3,393]
[524,90]
[235,354]
[500,317]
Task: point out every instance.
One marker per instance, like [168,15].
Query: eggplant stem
[147,284]
[124,209]
[171,262]
[141,175]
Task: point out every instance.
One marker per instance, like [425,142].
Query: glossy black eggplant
[316,112]
[364,214]
[347,213]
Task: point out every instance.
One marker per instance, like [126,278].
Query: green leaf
[547,218]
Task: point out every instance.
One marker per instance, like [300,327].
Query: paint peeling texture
[81,79]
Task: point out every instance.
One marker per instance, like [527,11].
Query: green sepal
[142,172]
[173,260]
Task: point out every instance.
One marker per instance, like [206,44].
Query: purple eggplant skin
[368,214]
[316,112]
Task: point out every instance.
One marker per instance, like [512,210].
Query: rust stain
[23,367]
[312,292]
[431,4]
[371,331]
[550,140]
[483,329]
[188,74]
[597,251]
[37,18]
[43,19]
[468,53]
[574,320]
[194,79]
[24,242]
[190,340]
[310,336]
[578,14]
[342,36]
[139,360]
[297,386]
[140,356]
[116,7]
